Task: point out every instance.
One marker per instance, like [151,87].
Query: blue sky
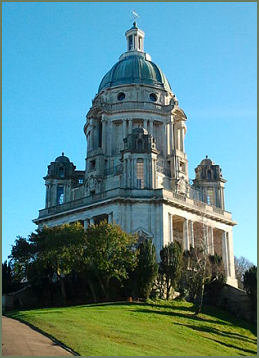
[54,57]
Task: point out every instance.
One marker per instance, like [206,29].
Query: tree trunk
[167,289]
[201,290]
[63,288]
[92,290]
[104,287]
[199,299]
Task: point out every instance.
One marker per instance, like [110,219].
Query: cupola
[135,38]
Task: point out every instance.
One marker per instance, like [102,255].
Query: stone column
[145,124]
[168,139]
[171,137]
[150,173]
[165,139]
[86,224]
[222,199]
[133,173]
[211,241]
[110,218]
[191,234]
[91,221]
[182,138]
[155,178]
[110,137]
[130,126]
[186,244]
[146,176]
[225,255]
[104,133]
[92,138]
[207,243]
[171,228]
[151,127]
[124,128]
[125,173]
[230,254]
[47,196]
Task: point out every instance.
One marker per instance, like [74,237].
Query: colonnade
[207,239]
[91,220]
[174,134]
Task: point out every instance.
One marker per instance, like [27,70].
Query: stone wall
[24,298]
[237,302]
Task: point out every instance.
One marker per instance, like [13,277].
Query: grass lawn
[158,328]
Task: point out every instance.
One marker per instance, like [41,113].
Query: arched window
[140,173]
[139,145]
[60,195]
[209,174]
[61,172]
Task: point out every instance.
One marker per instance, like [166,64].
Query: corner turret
[209,180]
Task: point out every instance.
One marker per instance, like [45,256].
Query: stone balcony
[161,195]
[136,105]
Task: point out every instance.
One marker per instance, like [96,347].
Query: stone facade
[136,167]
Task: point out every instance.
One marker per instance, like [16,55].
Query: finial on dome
[135,36]
[62,153]
[206,157]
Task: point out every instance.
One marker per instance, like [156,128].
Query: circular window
[121,96]
[153,97]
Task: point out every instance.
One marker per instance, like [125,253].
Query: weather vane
[135,15]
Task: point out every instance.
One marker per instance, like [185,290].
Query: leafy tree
[9,281]
[146,269]
[51,251]
[215,278]
[241,266]
[21,255]
[170,265]
[250,285]
[60,250]
[110,254]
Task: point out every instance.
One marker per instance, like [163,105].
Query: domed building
[136,171]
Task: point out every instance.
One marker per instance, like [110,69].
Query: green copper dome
[135,69]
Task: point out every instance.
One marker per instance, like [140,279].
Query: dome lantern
[135,38]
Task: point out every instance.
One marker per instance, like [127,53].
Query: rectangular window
[92,165]
[130,42]
[140,174]
[182,167]
[210,196]
[80,181]
[61,172]
[60,195]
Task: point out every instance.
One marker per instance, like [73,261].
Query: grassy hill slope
[138,329]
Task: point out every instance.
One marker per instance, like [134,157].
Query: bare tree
[242,264]
[201,267]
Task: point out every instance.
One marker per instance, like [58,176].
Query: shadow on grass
[138,303]
[191,316]
[251,352]
[226,334]
[230,317]
[206,328]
